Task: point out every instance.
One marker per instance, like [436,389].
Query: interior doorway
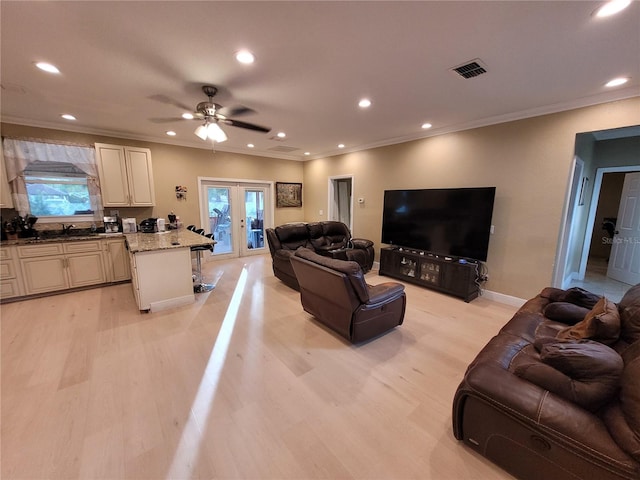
[341,199]
[594,252]
[581,257]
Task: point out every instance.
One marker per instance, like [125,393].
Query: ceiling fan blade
[170,101]
[236,111]
[248,126]
[166,120]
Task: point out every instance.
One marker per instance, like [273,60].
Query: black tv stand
[452,275]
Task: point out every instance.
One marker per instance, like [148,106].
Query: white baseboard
[502,298]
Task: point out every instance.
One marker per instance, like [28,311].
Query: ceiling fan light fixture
[201,131]
[215,133]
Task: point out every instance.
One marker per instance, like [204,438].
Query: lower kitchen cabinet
[10,281]
[44,274]
[59,266]
[47,267]
[117,260]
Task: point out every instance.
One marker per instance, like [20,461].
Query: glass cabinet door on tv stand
[439,273]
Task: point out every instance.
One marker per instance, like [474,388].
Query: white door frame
[331,209]
[560,278]
[237,182]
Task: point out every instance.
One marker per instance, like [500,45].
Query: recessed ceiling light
[341,145]
[187,116]
[616,82]
[250,145]
[68,116]
[281,134]
[426,125]
[307,153]
[171,133]
[612,7]
[47,67]
[245,56]
[364,103]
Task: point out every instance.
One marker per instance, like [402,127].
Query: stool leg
[201,286]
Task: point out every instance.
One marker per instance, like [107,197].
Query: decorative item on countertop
[21,226]
[173,225]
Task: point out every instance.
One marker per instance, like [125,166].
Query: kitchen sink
[61,235]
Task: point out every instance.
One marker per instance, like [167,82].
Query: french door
[237,214]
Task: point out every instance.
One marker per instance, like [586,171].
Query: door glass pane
[219,199]
[254,211]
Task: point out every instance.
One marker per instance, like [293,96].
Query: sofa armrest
[384,292]
[556,418]
[361,243]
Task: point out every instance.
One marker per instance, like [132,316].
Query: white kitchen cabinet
[126,176]
[57,266]
[5,193]
[10,282]
[117,260]
[84,263]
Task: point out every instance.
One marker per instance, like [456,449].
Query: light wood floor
[242,384]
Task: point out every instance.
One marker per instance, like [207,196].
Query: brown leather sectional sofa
[556,394]
[330,238]
[335,292]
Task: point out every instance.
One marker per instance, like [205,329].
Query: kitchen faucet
[66,228]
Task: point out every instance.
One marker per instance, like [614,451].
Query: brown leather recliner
[334,291]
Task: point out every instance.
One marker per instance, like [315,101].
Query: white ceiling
[314,61]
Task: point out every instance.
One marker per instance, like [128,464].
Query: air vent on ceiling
[283,149]
[470,69]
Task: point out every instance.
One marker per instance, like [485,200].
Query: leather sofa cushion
[584,372]
[552,293]
[602,323]
[629,308]
[565,312]
[351,269]
[293,236]
[579,296]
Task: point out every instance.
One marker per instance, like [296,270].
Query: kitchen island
[161,273]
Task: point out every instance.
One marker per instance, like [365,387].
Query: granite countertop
[146,242]
[60,239]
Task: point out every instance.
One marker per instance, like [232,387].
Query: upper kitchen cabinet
[126,176]
[5,193]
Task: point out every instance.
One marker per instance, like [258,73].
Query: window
[56,189]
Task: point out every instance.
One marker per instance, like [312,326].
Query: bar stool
[201,286]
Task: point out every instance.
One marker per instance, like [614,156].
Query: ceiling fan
[213,114]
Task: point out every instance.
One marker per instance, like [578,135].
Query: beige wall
[175,165]
[527,160]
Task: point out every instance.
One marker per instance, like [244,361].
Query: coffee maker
[110,224]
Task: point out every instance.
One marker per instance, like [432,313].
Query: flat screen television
[452,222]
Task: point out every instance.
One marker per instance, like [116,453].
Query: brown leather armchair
[334,291]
